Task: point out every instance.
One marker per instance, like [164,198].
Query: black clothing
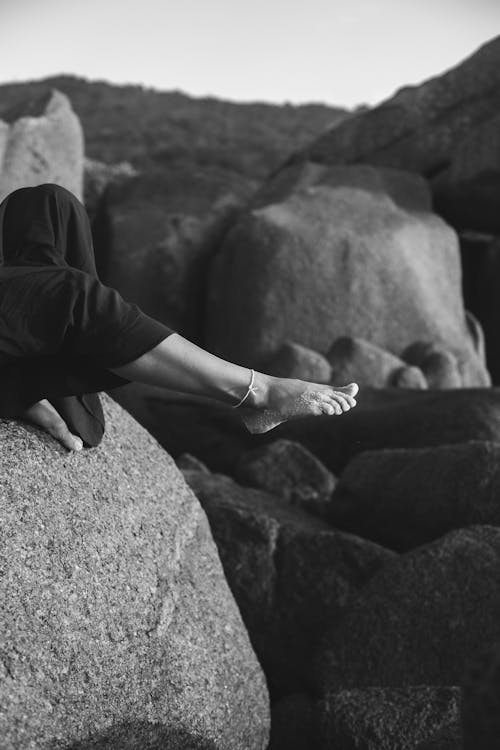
[60,328]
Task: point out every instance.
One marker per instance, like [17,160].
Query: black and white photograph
[249,375]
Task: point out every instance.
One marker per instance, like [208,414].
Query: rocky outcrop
[42,142]
[341,251]
[357,360]
[422,619]
[391,418]
[421,127]
[466,193]
[118,627]
[481,269]
[287,469]
[162,230]
[290,573]
[404,498]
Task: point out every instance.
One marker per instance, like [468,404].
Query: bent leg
[46,225]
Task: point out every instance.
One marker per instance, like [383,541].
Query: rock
[98,176]
[162,230]
[343,256]
[388,419]
[116,618]
[287,469]
[376,718]
[404,498]
[466,193]
[421,619]
[408,377]
[42,143]
[296,361]
[439,366]
[212,432]
[187,462]
[294,724]
[354,359]
[289,572]
[420,127]
[481,264]
[481,704]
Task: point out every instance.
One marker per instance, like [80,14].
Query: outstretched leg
[179,364]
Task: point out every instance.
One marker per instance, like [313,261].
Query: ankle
[259,399]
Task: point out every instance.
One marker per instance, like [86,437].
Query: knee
[60,193]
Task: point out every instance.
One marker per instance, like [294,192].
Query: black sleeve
[65,312]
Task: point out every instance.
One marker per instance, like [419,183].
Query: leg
[181,365]
[46,226]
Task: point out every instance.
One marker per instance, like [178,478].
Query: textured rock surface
[481,264]
[467,192]
[481,704]
[42,143]
[162,231]
[294,724]
[289,470]
[354,359]
[389,718]
[337,255]
[420,127]
[397,419]
[296,361]
[289,572]
[403,498]
[117,623]
[421,619]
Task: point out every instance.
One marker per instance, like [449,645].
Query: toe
[351,390]
[342,401]
[334,405]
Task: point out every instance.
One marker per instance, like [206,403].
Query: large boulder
[290,573]
[393,419]
[42,142]
[404,498]
[287,469]
[341,251]
[466,193]
[383,419]
[118,628]
[422,619]
[160,231]
[420,127]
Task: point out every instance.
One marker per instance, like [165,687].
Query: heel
[258,422]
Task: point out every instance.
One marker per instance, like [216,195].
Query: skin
[178,364]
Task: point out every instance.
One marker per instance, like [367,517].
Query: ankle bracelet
[251,389]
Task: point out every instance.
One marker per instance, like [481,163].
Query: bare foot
[288,398]
[45,416]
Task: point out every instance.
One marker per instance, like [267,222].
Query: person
[65,336]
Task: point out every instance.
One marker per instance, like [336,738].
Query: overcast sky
[342,52]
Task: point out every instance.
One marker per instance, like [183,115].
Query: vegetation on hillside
[153,129]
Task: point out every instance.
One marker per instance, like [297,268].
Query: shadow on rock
[142,735]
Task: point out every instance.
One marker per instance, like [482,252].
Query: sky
[340,52]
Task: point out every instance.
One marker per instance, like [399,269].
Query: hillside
[153,129]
